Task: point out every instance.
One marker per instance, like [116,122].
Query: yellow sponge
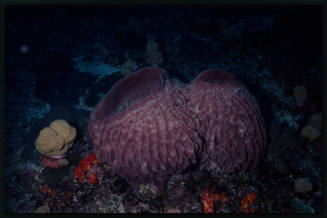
[56,139]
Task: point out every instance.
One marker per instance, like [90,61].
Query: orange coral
[251,197]
[247,202]
[224,198]
[209,199]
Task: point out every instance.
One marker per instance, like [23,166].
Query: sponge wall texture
[148,127]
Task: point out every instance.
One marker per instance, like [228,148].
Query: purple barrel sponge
[230,122]
[148,127]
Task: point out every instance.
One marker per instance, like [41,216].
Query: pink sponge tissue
[148,127]
[53,162]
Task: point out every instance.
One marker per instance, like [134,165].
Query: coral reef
[147,127]
[67,75]
[56,139]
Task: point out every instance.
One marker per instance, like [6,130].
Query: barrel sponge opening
[130,91]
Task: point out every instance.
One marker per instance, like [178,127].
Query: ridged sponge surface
[148,127]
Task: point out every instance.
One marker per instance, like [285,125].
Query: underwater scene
[163,109]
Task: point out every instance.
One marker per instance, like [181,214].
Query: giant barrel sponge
[148,127]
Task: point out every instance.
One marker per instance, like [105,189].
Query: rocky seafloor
[61,61]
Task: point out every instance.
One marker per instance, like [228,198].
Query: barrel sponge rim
[143,77]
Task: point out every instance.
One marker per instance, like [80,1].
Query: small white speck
[24,49]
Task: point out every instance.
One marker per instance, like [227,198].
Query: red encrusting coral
[85,165]
[92,178]
[209,198]
[224,198]
[79,173]
[247,202]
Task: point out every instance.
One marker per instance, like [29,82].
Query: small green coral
[310,132]
[153,55]
[128,67]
